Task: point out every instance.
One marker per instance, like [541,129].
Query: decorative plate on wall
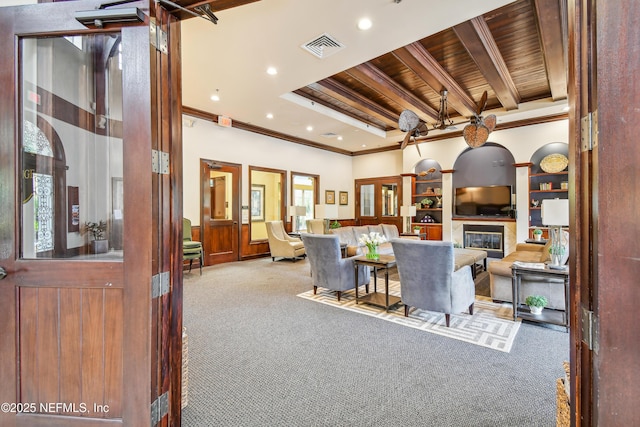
[554,163]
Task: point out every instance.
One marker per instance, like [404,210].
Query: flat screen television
[492,201]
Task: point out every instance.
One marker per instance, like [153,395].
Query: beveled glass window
[71,147]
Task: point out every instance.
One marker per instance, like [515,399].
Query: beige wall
[338,172]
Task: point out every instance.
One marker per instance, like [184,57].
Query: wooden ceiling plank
[377,80]
[421,62]
[477,39]
[550,23]
[334,88]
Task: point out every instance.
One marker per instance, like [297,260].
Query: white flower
[372,239]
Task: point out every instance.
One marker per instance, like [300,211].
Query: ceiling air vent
[323,46]
[330,135]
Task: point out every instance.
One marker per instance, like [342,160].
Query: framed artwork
[257,202]
[344,198]
[330,197]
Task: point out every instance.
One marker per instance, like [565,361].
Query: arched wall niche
[544,151]
[491,164]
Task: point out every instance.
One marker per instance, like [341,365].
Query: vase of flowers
[372,241]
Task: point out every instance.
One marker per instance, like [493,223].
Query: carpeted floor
[260,356]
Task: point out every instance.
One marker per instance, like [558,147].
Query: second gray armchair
[428,280]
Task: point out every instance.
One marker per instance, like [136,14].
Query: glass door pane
[71,147]
[367,200]
[389,200]
[221,195]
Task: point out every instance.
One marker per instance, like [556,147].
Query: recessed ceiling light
[309,128]
[364,24]
[215,97]
[363,145]
[566,108]
[272,71]
[339,138]
[269,116]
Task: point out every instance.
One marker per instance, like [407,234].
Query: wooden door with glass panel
[69,304]
[377,201]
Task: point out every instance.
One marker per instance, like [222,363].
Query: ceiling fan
[410,123]
[477,132]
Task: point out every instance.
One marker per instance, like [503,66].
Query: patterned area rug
[490,326]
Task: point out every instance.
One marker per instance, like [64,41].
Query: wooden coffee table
[377,298]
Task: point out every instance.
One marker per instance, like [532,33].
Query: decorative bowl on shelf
[554,163]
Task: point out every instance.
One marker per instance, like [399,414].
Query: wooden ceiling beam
[332,87]
[379,81]
[477,39]
[424,65]
[550,24]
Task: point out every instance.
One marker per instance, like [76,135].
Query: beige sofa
[500,276]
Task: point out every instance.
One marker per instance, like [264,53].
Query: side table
[553,317]
[376,298]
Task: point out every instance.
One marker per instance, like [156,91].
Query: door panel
[62,139]
[377,201]
[220,231]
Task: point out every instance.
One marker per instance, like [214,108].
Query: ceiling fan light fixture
[443,121]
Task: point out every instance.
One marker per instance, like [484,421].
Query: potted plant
[335,224]
[99,244]
[536,303]
[426,202]
[416,229]
[556,251]
[537,234]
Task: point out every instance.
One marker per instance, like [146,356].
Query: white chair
[281,244]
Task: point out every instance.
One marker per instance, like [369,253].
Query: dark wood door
[605,59]
[220,230]
[75,324]
[378,201]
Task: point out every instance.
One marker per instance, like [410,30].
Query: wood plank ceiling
[516,54]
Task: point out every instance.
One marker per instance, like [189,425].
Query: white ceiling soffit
[304,102]
[323,46]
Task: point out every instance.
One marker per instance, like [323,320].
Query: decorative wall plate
[554,163]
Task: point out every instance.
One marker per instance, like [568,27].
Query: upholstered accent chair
[328,269]
[281,244]
[428,279]
[315,226]
[191,249]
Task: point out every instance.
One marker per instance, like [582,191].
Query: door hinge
[160,162]
[589,131]
[590,329]
[158,38]
[160,284]
[159,408]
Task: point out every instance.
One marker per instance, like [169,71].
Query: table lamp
[326,212]
[295,212]
[555,214]
[408,212]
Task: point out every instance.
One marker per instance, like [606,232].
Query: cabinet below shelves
[430,231]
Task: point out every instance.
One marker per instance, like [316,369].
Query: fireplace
[489,238]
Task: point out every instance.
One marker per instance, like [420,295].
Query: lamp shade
[407,211]
[297,211]
[326,211]
[555,212]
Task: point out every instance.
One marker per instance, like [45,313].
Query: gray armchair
[428,280]
[328,269]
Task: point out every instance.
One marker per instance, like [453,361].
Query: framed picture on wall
[344,198]
[257,202]
[330,197]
